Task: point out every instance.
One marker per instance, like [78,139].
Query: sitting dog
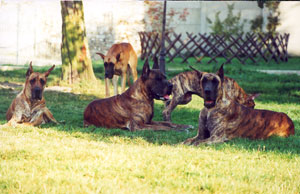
[187,83]
[29,107]
[223,119]
[133,109]
[120,59]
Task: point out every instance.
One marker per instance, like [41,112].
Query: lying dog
[223,119]
[133,109]
[187,83]
[120,59]
[29,107]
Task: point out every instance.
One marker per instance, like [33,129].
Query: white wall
[31,29]
[290,14]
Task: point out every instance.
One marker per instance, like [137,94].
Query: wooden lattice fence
[242,47]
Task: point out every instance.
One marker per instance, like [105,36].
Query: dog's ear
[155,64]
[146,70]
[220,72]
[30,70]
[49,71]
[101,55]
[253,96]
[199,73]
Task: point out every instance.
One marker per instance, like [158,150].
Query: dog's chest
[214,120]
[26,112]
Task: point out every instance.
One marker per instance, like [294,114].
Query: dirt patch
[59,89]
[14,86]
[281,72]
[7,85]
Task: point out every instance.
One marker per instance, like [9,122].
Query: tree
[273,17]
[154,16]
[76,60]
[231,25]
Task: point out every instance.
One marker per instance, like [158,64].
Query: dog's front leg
[173,126]
[115,83]
[139,125]
[202,130]
[169,108]
[124,73]
[211,140]
[49,115]
[107,87]
[20,115]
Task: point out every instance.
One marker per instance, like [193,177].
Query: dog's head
[36,82]
[110,63]
[211,85]
[250,100]
[156,83]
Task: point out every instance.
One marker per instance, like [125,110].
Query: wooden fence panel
[245,47]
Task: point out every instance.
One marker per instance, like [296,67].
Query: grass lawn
[68,158]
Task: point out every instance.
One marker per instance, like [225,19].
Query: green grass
[68,158]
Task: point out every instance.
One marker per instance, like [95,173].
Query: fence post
[162,61]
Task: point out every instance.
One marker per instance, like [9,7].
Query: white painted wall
[31,29]
[290,14]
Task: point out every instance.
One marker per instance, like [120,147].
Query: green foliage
[273,17]
[69,158]
[231,25]
[154,16]
[256,24]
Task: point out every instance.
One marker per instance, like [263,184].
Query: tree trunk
[75,54]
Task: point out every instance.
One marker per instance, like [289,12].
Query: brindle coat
[29,107]
[120,60]
[187,83]
[223,119]
[133,109]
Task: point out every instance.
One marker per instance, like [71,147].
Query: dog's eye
[105,64]
[215,81]
[42,81]
[32,81]
[204,80]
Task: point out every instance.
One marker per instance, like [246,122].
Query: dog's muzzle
[166,96]
[37,93]
[109,75]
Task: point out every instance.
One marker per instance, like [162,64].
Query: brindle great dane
[29,107]
[187,83]
[223,119]
[133,109]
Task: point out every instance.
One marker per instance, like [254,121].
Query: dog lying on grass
[223,119]
[29,107]
[133,109]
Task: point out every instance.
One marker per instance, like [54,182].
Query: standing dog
[29,107]
[120,59]
[133,109]
[187,83]
[223,119]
